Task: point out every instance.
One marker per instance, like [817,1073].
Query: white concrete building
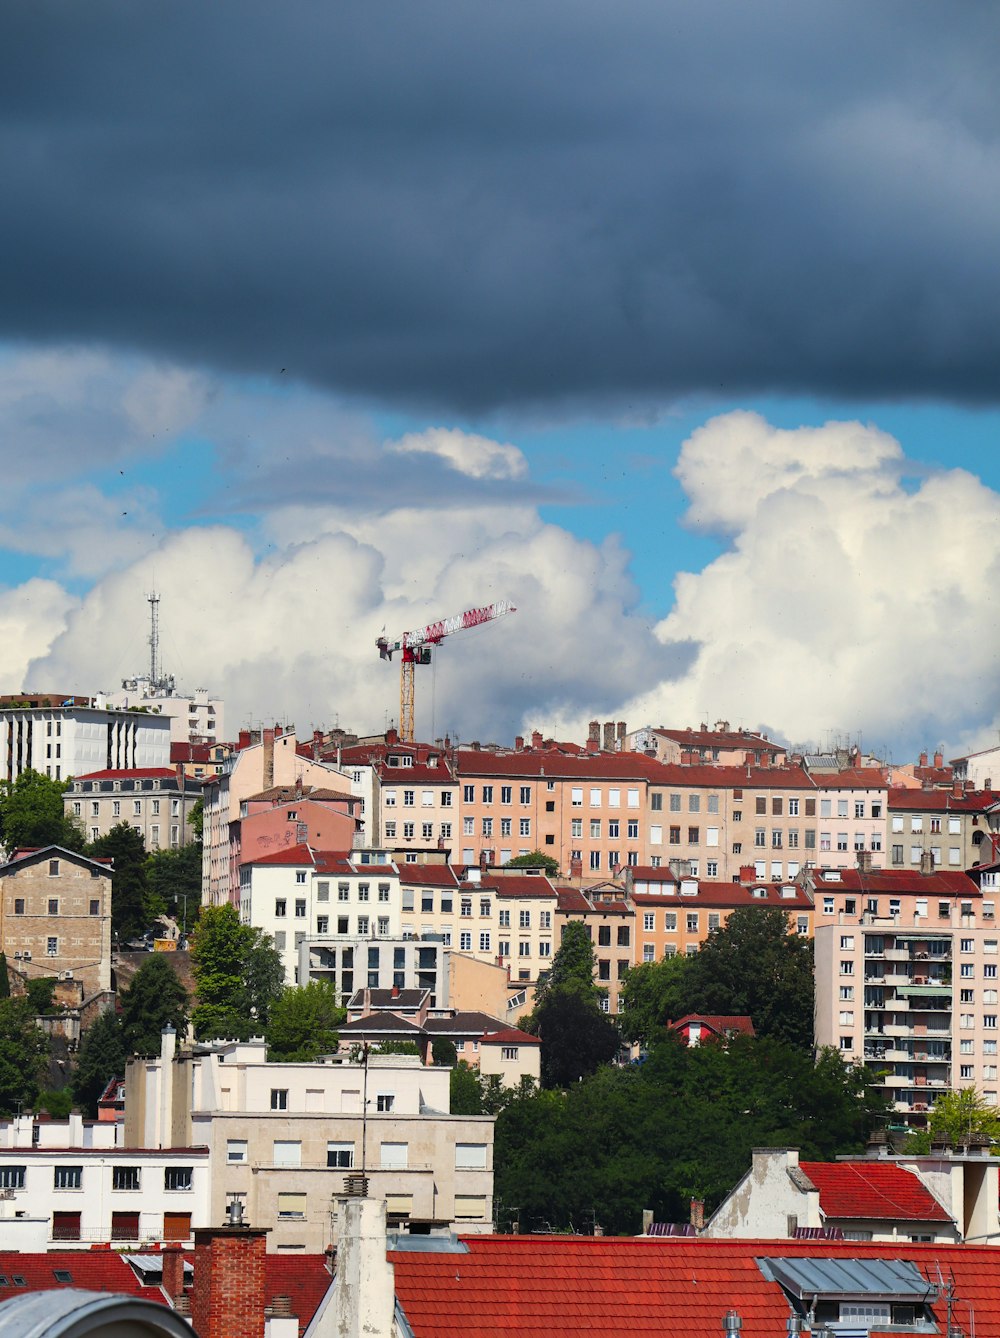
[87,1186]
[62,736]
[299,893]
[195,717]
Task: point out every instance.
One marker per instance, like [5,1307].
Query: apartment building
[956,826]
[156,801]
[61,736]
[89,1187]
[609,919]
[283,1139]
[276,760]
[195,717]
[299,893]
[906,980]
[675,915]
[55,916]
[719,746]
[288,815]
[853,812]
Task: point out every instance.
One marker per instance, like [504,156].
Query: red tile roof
[715,1022]
[427,875]
[90,1271]
[516,885]
[419,774]
[873,1189]
[655,1287]
[942,801]
[851,778]
[942,882]
[510,1036]
[720,738]
[300,855]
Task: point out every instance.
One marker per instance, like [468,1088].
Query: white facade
[79,1178]
[196,717]
[294,902]
[63,741]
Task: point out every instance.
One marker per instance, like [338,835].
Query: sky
[674,323]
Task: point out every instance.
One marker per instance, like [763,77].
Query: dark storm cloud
[463,205]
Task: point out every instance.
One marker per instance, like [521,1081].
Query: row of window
[52,907]
[933,824]
[175,1178]
[954,855]
[409,831]
[116,808]
[340,1154]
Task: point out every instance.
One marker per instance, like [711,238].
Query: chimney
[281,1322]
[227,1300]
[594,732]
[957,790]
[923,760]
[609,736]
[864,861]
[698,1214]
[268,779]
[179,775]
[173,1271]
[395,992]
[536,739]
[927,862]
[364,1291]
[621,731]
[392,735]
[593,745]
[748,873]
[939,759]
[244,741]
[519,743]
[688,757]
[576,867]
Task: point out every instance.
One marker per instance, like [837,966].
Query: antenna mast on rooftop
[154,637]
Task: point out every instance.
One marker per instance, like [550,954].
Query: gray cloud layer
[462,206]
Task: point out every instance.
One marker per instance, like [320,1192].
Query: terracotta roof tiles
[873,1189]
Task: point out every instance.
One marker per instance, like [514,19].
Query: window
[465,941]
[300,875]
[236,1151]
[279,1098]
[394,1156]
[692,922]
[692,836]
[291,1205]
[322,924]
[472,1156]
[649,920]
[670,922]
[524,948]
[484,941]
[714,920]
[67,1177]
[989,1021]
[287,1152]
[178,1178]
[760,836]
[52,947]
[847,968]
[525,826]
[505,826]
[340,1156]
[125,1177]
[300,909]
[656,802]
[524,919]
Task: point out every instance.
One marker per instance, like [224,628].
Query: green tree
[131,911]
[536,860]
[173,881]
[576,1035]
[964,1117]
[32,813]
[303,1023]
[40,994]
[653,994]
[58,1104]
[101,1057]
[4,978]
[196,820]
[466,1094]
[155,999]
[24,1051]
[238,975]
[751,966]
[443,1052]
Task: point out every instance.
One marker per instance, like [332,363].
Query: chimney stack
[593,745]
[927,862]
[392,735]
[228,1296]
[923,760]
[594,732]
[957,790]
[173,1271]
[244,740]
[864,861]
[519,743]
[268,758]
[698,1214]
[939,759]
[576,868]
[621,731]
[609,736]
[536,739]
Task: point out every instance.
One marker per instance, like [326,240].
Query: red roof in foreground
[873,1189]
[663,1287]
[89,1270]
[716,1022]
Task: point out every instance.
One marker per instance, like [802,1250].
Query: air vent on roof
[62,1275]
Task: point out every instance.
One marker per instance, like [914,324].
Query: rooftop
[873,1189]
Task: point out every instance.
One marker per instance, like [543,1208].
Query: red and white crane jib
[434,633]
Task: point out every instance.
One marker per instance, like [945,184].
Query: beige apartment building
[852,812]
[55,916]
[156,801]
[283,1138]
[719,746]
[907,980]
[954,825]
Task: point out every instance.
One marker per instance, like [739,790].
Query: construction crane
[416,649]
